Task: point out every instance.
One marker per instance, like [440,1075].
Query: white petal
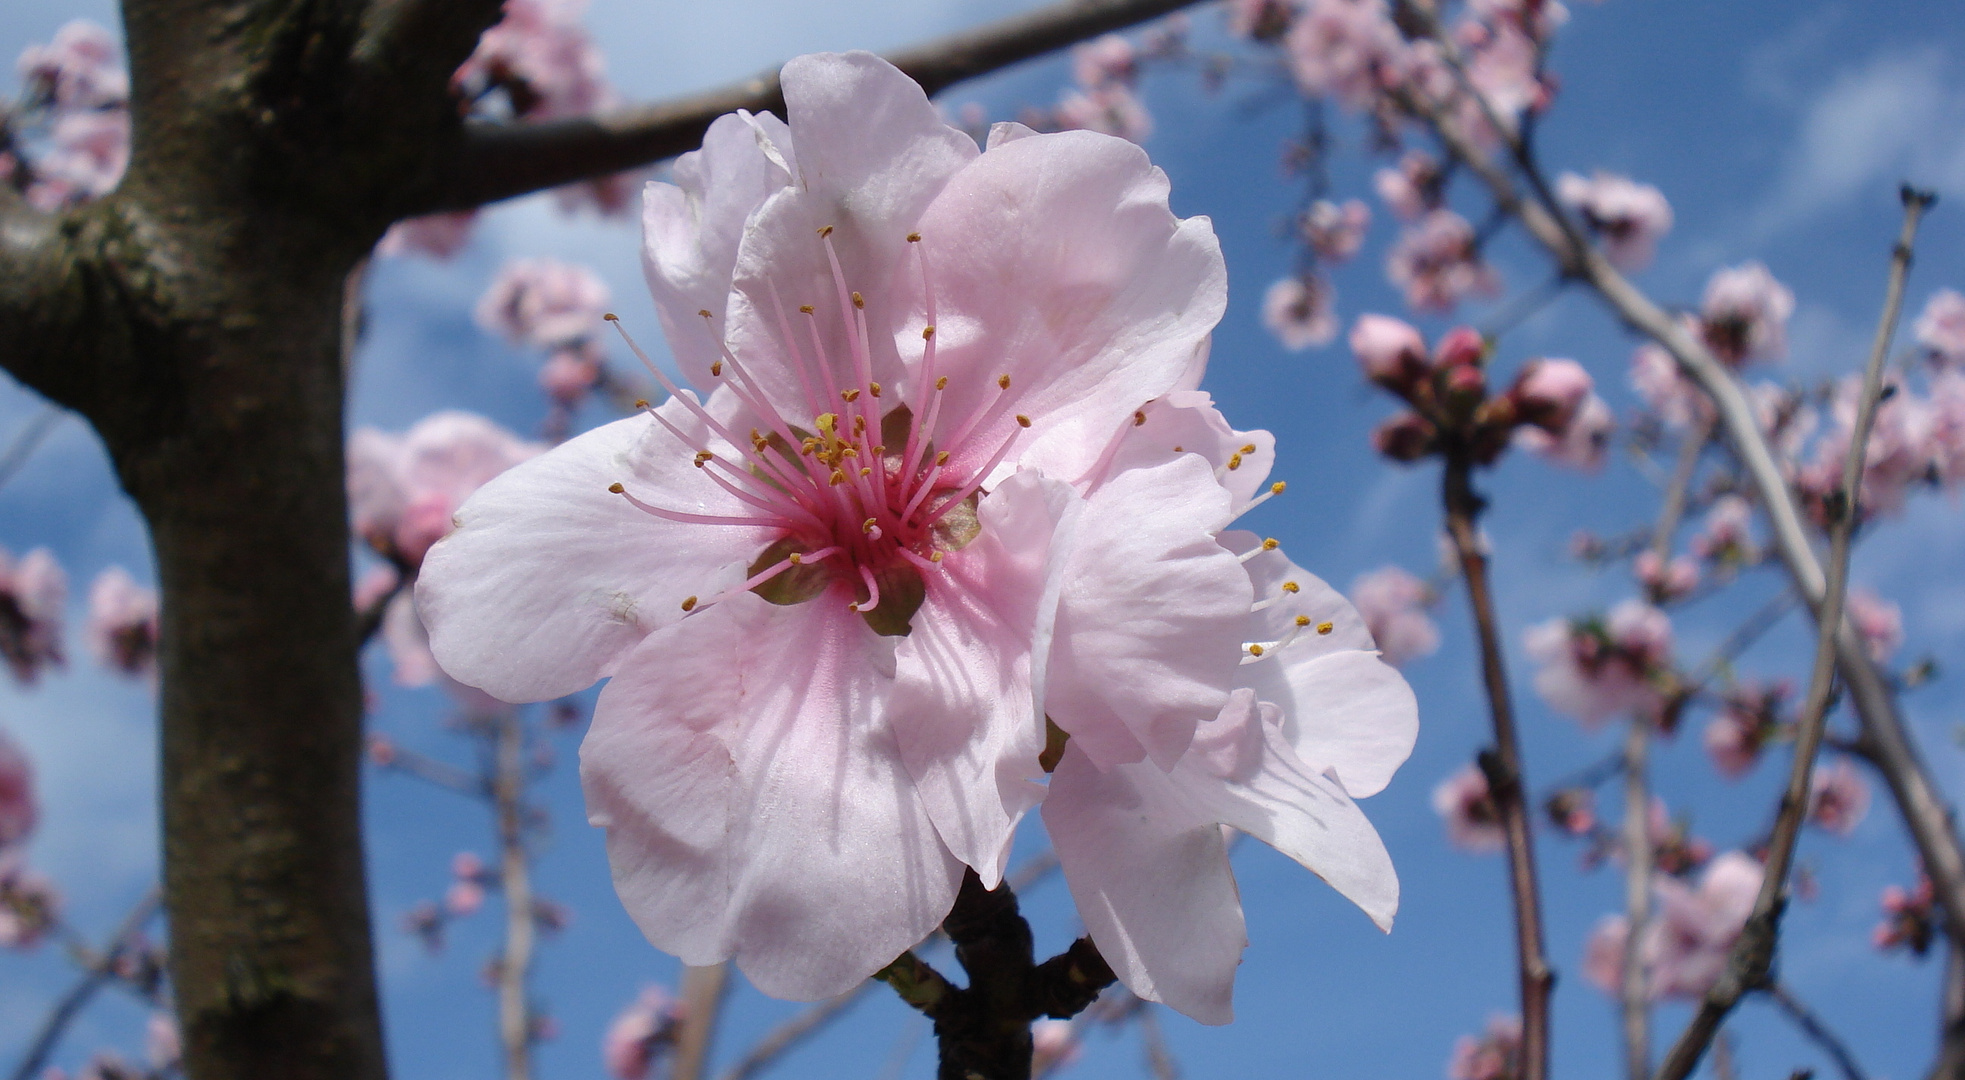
[1186,422]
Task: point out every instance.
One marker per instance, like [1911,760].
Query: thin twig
[1503,767]
[1753,953]
[441,773]
[1817,1031]
[703,993]
[1159,1057]
[98,975]
[1743,636]
[22,448]
[515,964]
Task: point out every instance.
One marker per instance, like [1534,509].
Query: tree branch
[1503,765]
[97,975]
[500,161]
[703,991]
[515,962]
[1753,955]
[1817,1031]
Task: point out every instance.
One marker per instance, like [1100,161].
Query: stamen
[925,564]
[1139,417]
[975,482]
[1291,586]
[690,519]
[873,592]
[1275,489]
[1266,546]
[779,567]
[1323,627]
[688,603]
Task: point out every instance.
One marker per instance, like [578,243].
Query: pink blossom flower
[1838,797]
[1111,110]
[1390,351]
[1665,580]
[1438,264]
[1464,802]
[1746,721]
[544,303]
[1501,61]
[1496,1055]
[1880,622]
[1541,18]
[544,60]
[1630,217]
[1726,536]
[161,1043]
[1598,668]
[1299,311]
[79,69]
[1105,60]
[1054,1045]
[1550,393]
[437,235]
[951,479]
[1393,604]
[32,592]
[1261,20]
[29,905]
[1905,448]
[1412,190]
[404,489]
[1573,810]
[85,158]
[1603,953]
[1582,444]
[463,898]
[122,627]
[1666,391]
[1940,327]
[640,1035]
[1910,918]
[1696,927]
[1343,49]
[1745,313]
[1335,231]
[18,808]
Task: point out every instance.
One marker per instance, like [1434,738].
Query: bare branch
[1747,968]
[703,991]
[515,877]
[29,439]
[1817,1031]
[500,161]
[98,975]
[1503,766]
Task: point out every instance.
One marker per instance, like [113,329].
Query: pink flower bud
[1390,351]
[1548,392]
[1461,345]
[463,898]
[1405,437]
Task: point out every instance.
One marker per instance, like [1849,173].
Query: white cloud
[1899,116]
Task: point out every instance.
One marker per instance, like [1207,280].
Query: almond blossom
[32,592]
[1438,263]
[1726,534]
[1745,314]
[1666,391]
[77,70]
[29,905]
[640,1035]
[1300,311]
[1335,231]
[1343,49]
[122,628]
[1665,580]
[1597,668]
[1393,604]
[18,808]
[950,479]
[1111,109]
[1464,801]
[1687,944]
[1879,622]
[1582,443]
[1838,797]
[1413,188]
[1495,1055]
[1748,718]
[1940,327]
[545,303]
[404,489]
[1628,216]
[1910,918]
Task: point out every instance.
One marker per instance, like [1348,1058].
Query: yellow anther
[826,422]
[703,457]
[874,389]
[688,603]
[641,403]
[704,312]
[936,557]
[866,470]
[1249,448]
[927,333]
[859,301]
[941,458]
[1003,382]
[870,525]
[1022,420]
[941,383]
[1277,488]
[716,369]
[1255,650]
[1271,544]
[879,450]
[796,558]
[1234,462]
[1288,586]
[825,232]
[616,487]
[1303,620]
[837,478]
[1326,627]
[849,395]
[1139,417]
[914,238]
[805,309]
[611,317]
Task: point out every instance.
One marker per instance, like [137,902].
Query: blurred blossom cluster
[67,139]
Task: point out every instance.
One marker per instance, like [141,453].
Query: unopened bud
[1405,437]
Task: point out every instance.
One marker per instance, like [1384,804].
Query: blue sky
[1778,131]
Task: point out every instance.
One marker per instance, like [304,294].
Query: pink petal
[1150,622]
[965,695]
[757,807]
[1186,421]
[549,578]
[1056,262]
[690,230]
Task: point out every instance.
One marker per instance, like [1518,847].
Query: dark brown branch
[1753,955]
[1950,1064]
[500,161]
[1503,766]
[97,975]
[1817,1031]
